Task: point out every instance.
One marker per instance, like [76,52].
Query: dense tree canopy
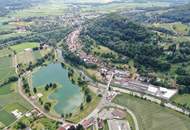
[127,38]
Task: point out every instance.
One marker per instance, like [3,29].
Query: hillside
[181,13]
[127,38]
[8,5]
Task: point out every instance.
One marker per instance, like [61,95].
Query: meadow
[183,99]
[21,47]
[5,52]
[6,68]
[151,116]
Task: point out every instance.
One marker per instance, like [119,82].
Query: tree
[70,114]
[35,90]
[81,106]
[62,115]
[47,87]
[79,127]
[88,98]
[47,106]
[21,125]
[54,85]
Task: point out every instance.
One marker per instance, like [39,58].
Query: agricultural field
[9,104]
[5,52]
[51,7]
[113,7]
[8,88]
[152,116]
[6,68]
[21,47]
[13,35]
[6,118]
[25,57]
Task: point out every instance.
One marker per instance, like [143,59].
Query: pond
[68,96]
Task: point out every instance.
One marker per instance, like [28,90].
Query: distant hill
[8,5]
[177,14]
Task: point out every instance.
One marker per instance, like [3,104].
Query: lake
[68,95]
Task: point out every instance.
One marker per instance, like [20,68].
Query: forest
[141,44]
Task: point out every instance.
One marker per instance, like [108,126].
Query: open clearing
[152,116]
[21,47]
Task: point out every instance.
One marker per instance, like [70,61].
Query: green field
[6,89]
[51,7]
[11,107]
[152,116]
[6,68]
[6,118]
[5,52]
[21,47]
[37,54]
[10,100]
[182,99]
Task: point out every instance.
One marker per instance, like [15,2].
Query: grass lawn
[182,99]
[25,45]
[6,118]
[37,54]
[45,97]
[101,49]
[6,68]
[152,116]
[88,108]
[7,89]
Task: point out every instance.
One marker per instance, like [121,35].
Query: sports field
[152,116]
[21,47]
